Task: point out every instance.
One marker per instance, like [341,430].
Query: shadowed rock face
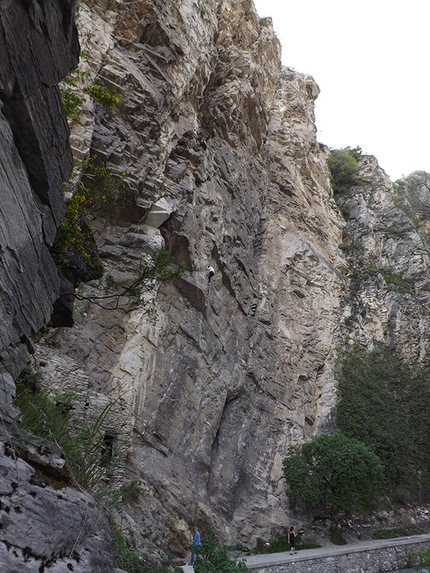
[38,47]
[43,527]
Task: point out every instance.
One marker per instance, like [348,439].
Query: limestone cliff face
[219,147]
[386,241]
[217,144]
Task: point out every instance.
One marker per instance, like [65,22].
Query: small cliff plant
[74,249]
[103,95]
[126,555]
[81,82]
[156,266]
[51,416]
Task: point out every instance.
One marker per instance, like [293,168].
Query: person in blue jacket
[196,545]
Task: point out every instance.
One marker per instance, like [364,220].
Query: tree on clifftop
[344,168]
[334,473]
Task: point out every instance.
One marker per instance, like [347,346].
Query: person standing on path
[196,544]
[292,540]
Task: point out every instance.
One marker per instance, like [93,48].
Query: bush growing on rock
[344,168]
[215,559]
[52,417]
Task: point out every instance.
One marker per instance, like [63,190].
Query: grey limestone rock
[46,522]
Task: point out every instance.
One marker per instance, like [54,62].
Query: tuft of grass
[125,553]
[336,536]
[51,416]
[265,22]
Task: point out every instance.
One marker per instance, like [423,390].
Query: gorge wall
[216,142]
[42,527]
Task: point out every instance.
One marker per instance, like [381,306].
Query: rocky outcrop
[386,243]
[218,145]
[46,524]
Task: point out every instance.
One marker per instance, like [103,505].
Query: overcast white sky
[370,59]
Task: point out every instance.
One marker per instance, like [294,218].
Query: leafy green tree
[215,559]
[344,168]
[383,401]
[334,472]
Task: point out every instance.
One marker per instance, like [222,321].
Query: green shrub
[215,559]
[103,95]
[126,555]
[132,491]
[51,416]
[281,545]
[157,266]
[401,284]
[72,104]
[344,169]
[420,557]
[74,249]
[395,532]
[336,535]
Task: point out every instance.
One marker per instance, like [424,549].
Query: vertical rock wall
[218,144]
[38,47]
[46,523]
